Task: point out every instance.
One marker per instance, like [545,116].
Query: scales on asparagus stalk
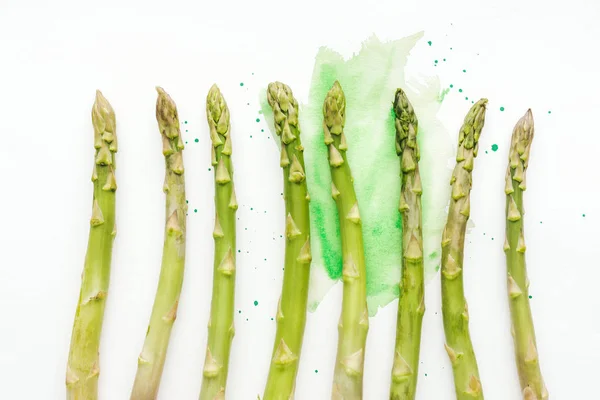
[220,325]
[411,305]
[83,365]
[454,306]
[152,358]
[354,321]
[523,332]
[291,313]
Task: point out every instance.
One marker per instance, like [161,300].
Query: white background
[539,54]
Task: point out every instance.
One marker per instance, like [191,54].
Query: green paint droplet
[185,122]
[540,222]
[464,70]
[262,130]
[466,98]
[460,90]
[255,302]
[250,136]
[583,215]
[186,130]
[195,210]
[186,202]
[429,43]
[241,83]
[271,318]
[316,371]
[209,169]
[186,142]
[239,251]
[425,374]
[444,59]
[257,119]
[251,208]
[486,152]
[196,140]
[494,147]
[436,61]
[450,48]
[239,311]
[451,86]
[501,108]
[530,296]
[549,112]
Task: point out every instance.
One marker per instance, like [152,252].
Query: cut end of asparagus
[334,109]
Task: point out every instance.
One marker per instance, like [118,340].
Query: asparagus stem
[526,353]
[411,305]
[354,321]
[454,306]
[83,365]
[152,358]
[220,325]
[291,313]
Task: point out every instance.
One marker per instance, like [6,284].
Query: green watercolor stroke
[369,80]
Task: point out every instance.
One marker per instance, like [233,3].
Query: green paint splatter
[255,302]
[501,108]
[464,70]
[241,83]
[429,42]
[316,371]
[451,86]
[583,215]
[494,147]
[530,296]
[185,122]
[196,140]
[369,80]
[436,61]
[195,210]
[257,119]
[549,112]
[460,90]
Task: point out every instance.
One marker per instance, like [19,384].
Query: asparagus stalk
[411,305]
[454,306]
[152,358]
[83,365]
[528,366]
[220,325]
[354,321]
[291,312]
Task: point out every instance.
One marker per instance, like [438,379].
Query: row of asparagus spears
[83,363]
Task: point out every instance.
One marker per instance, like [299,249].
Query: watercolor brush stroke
[368,78]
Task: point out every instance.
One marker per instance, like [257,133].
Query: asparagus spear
[291,313]
[152,358]
[454,306]
[411,305]
[220,326]
[528,366]
[82,367]
[354,321]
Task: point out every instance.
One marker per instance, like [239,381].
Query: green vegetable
[152,358]
[83,365]
[411,305]
[526,353]
[454,306]
[220,325]
[354,321]
[291,313]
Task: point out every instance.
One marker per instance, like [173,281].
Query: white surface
[541,55]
